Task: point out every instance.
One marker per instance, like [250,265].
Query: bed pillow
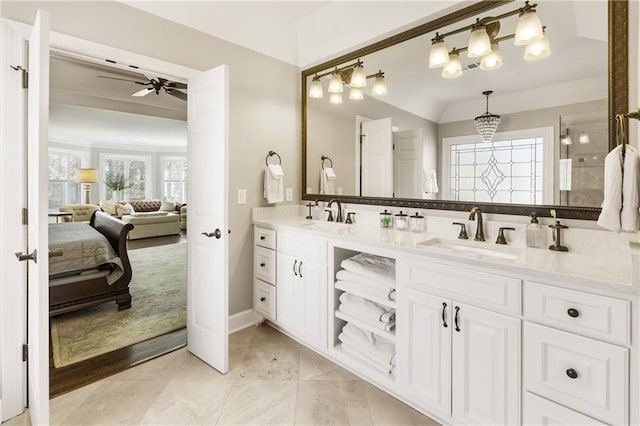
[109,206]
[167,206]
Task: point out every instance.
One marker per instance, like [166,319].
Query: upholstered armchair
[183,217]
[81,212]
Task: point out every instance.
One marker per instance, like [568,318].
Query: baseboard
[241,320]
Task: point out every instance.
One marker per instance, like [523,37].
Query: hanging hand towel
[621,193]
[327,181]
[274,183]
[429,181]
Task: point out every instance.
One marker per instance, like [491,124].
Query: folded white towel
[381,269]
[347,275]
[367,310]
[429,181]
[381,350]
[357,314]
[366,290]
[359,335]
[621,193]
[354,352]
[273,186]
[327,181]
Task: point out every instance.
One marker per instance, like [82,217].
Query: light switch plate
[339,190]
[242,196]
[289,194]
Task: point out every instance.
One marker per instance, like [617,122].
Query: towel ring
[324,157]
[620,132]
[271,154]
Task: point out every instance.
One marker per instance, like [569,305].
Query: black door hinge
[25,352]
[25,75]
[25,216]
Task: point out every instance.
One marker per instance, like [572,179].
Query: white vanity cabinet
[264,272]
[455,359]
[301,289]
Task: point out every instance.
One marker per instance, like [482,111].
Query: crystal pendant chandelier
[487,123]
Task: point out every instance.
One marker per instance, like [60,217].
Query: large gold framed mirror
[557,115]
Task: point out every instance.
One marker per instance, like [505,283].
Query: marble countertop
[601,270]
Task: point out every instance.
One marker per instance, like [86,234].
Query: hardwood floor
[66,379]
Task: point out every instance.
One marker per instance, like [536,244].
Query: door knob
[56,252]
[24,257]
[215,233]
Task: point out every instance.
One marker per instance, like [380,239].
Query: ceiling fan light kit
[156,85]
[484,42]
[353,75]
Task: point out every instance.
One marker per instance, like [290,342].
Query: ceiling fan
[155,85]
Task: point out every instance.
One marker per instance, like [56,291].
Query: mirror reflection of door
[377,158]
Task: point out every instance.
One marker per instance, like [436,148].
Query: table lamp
[86,177]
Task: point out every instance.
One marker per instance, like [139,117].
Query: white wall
[264,103]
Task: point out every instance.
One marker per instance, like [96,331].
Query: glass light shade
[479,43]
[335,98]
[335,84]
[439,55]
[493,60]
[537,50]
[529,28]
[86,175]
[356,94]
[358,77]
[379,86]
[565,140]
[584,138]
[454,68]
[315,89]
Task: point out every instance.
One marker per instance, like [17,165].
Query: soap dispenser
[536,233]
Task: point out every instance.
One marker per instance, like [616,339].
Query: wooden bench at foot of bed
[71,294]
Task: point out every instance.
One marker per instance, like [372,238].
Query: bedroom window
[134,170]
[63,189]
[174,176]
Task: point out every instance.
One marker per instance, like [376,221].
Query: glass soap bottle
[536,234]
[402,221]
[416,223]
[386,219]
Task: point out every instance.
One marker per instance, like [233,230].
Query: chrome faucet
[339,215]
[479,229]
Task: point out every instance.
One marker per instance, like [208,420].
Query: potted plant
[117,183]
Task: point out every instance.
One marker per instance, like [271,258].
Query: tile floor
[272,380]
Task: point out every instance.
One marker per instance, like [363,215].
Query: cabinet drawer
[264,237]
[539,411]
[264,299]
[584,374]
[303,246]
[583,313]
[264,264]
[482,289]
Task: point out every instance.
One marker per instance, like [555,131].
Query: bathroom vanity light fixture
[584,138]
[566,138]
[484,42]
[487,123]
[353,75]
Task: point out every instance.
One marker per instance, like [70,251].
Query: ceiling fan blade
[124,79]
[176,85]
[143,92]
[176,93]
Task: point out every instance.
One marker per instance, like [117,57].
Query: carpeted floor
[158,306]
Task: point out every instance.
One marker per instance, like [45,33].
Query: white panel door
[407,163]
[13,290]
[424,349]
[312,306]
[37,232]
[377,158]
[486,367]
[207,234]
[287,289]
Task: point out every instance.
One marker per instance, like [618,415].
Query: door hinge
[25,75]
[25,352]
[25,216]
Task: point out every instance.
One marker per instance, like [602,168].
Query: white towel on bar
[366,290]
[346,275]
[621,192]
[366,310]
[429,181]
[327,181]
[377,268]
[274,183]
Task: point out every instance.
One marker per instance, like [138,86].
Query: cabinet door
[486,367]
[287,289]
[312,303]
[424,349]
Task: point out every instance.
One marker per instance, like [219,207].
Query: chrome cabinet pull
[455,319]
[300,269]
[294,267]
[444,319]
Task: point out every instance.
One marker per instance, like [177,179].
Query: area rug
[158,306]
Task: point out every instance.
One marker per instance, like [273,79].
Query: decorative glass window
[63,189]
[174,176]
[514,168]
[134,171]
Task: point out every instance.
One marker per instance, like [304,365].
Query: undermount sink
[475,248]
[324,226]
